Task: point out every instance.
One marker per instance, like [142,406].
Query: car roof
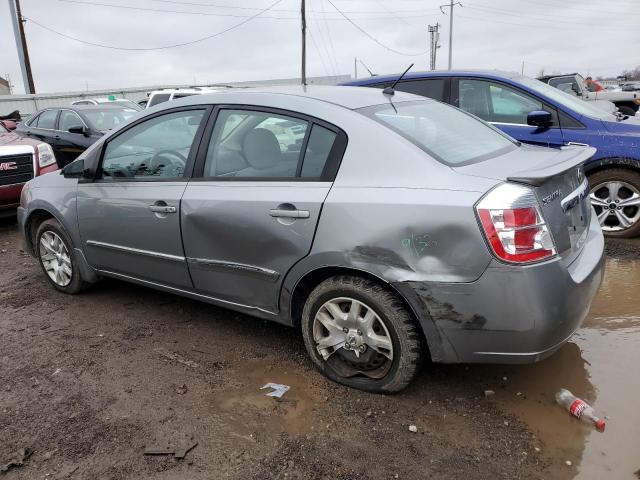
[548,77]
[347,97]
[436,73]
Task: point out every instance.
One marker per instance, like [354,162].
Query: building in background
[27,104]
[5,89]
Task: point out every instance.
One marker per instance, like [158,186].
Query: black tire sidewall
[54,226]
[631,177]
[382,385]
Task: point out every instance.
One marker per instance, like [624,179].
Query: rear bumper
[513,314]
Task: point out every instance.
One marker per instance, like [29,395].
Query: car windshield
[449,135]
[108,118]
[583,107]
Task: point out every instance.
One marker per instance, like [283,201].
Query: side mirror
[539,118]
[76,170]
[80,130]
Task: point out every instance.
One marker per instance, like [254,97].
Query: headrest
[261,148]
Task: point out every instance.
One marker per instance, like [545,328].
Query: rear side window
[254,144]
[46,119]
[318,150]
[445,133]
[158,98]
[432,88]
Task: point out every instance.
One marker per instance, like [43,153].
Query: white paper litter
[277,389]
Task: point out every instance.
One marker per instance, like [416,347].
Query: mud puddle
[292,413]
[601,365]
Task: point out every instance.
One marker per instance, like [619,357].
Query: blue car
[533,112]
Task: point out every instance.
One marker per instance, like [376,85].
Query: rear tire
[55,253]
[612,188]
[387,344]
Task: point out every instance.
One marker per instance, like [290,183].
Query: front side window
[46,119]
[446,133]
[156,149]
[496,102]
[69,119]
[253,144]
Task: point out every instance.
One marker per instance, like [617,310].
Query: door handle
[162,209]
[277,213]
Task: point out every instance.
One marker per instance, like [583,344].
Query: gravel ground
[89,381]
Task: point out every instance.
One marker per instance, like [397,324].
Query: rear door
[44,126]
[252,213]
[129,217]
[507,108]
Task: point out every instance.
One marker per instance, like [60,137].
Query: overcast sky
[600,37]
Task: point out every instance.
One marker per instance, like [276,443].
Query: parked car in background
[168,94]
[574,84]
[9,124]
[397,228]
[630,86]
[534,112]
[21,159]
[70,130]
[110,100]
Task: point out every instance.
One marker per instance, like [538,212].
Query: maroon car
[21,159]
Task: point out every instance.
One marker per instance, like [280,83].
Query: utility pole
[21,45]
[522,69]
[303,76]
[451,4]
[355,67]
[434,44]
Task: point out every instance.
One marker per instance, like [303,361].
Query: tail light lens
[45,155]
[514,226]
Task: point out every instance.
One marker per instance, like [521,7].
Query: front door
[253,212]
[507,108]
[129,217]
[69,145]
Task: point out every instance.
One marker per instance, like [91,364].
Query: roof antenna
[390,90]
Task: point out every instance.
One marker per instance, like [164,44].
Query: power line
[371,37]
[537,25]
[133,49]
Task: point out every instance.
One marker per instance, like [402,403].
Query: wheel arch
[438,347]
[612,162]
[31,224]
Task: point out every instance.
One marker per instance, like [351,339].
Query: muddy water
[602,365]
[293,413]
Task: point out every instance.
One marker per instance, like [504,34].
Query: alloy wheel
[617,205]
[352,338]
[55,258]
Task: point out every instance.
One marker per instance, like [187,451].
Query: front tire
[361,335]
[615,196]
[55,254]
[625,110]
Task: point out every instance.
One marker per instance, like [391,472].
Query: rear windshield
[449,135]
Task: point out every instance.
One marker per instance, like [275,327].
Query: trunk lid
[559,183]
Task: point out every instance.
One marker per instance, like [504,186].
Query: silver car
[385,228]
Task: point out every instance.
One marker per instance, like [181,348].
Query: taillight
[45,155]
[514,226]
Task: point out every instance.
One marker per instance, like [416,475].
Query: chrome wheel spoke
[614,190]
[335,311]
[625,221]
[632,201]
[366,322]
[602,216]
[55,258]
[354,313]
[597,201]
[381,344]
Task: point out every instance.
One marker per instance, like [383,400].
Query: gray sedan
[384,228]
